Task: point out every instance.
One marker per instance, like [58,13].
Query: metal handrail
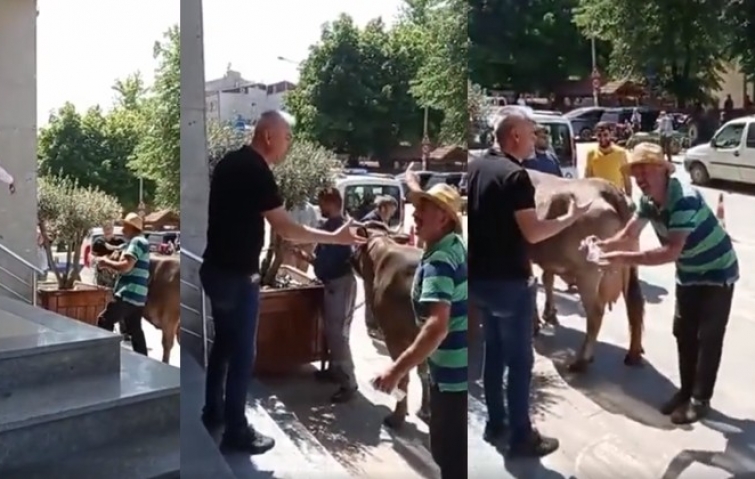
[203,313]
[35,269]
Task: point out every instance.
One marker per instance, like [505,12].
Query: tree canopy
[137,138]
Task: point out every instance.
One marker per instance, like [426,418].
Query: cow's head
[373,229]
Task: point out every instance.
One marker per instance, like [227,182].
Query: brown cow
[163,307]
[387,269]
[608,213]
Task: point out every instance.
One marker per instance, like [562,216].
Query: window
[360,200]
[730,136]
[561,142]
[751,135]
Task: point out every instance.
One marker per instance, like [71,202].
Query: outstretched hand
[347,235]
[412,180]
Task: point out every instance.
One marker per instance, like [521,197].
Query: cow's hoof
[551,317]
[424,415]
[633,360]
[394,421]
[579,365]
[375,333]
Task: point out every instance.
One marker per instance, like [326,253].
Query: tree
[158,155]
[66,212]
[525,46]
[92,149]
[739,16]
[353,93]
[681,45]
[441,82]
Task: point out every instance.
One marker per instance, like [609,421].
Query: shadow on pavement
[738,457]
[347,431]
[531,469]
[653,293]
[727,187]
[635,393]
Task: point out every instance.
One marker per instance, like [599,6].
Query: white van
[360,191]
[730,155]
[562,137]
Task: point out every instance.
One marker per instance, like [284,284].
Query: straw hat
[648,154]
[134,220]
[446,197]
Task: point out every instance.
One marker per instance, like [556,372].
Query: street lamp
[425,141]
[595,73]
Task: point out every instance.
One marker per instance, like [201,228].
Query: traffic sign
[596,83]
[595,74]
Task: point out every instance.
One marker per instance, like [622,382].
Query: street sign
[596,83]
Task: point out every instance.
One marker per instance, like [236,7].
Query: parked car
[583,121]
[162,242]
[729,156]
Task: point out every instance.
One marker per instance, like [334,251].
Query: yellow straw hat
[648,154]
[445,197]
[134,220]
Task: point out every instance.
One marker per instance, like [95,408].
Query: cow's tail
[635,302]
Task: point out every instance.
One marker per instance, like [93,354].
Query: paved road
[607,420]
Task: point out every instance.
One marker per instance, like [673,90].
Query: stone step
[153,457]
[69,417]
[39,346]
[297,453]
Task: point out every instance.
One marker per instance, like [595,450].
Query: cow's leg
[594,306]
[423,370]
[549,310]
[396,346]
[169,338]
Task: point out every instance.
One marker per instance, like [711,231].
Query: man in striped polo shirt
[131,287]
[439,296]
[706,270]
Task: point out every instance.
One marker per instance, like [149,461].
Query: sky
[83,46]
[251,35]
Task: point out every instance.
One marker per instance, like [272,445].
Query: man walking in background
[666,130]
[607,161]
[131,287]
[305,214]
[243,194]
[502,220]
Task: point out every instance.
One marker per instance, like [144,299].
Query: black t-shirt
[241,190]
[498,187]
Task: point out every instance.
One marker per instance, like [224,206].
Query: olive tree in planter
[289,332]
[66,212]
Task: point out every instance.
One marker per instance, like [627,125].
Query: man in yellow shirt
[607,159]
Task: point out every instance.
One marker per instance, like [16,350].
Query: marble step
[39,347]
[66,417]
[153,457]
[297,454]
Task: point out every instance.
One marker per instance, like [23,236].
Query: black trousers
[702,313]
[118,310]
[448,432]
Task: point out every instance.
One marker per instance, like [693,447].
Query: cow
[387,267]
[163,306]
[608,213]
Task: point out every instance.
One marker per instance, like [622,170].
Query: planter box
[290,330]
[84,303]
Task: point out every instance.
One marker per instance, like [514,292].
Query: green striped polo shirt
[708,255]
[132,287]
[442,277]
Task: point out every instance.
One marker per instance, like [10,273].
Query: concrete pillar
[195,184]
[18,136]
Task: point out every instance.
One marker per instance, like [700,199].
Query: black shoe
[344,394]
[247,441]
[677,400]
[212,421]
[329,375]
[494,432]
[536,445]
[690,412]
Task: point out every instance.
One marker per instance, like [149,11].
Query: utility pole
[425,142]
[595,73]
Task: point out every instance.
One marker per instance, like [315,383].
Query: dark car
[583,121]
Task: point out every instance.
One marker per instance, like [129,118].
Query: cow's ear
[362,231]
[400,238]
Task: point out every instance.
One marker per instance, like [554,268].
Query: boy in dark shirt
[332,265]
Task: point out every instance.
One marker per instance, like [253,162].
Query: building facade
[18,138]
[233,99]
[734,83]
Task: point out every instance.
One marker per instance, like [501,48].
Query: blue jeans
[507,309]
[235,303]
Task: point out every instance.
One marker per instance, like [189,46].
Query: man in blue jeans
[243,194]
[502,220]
